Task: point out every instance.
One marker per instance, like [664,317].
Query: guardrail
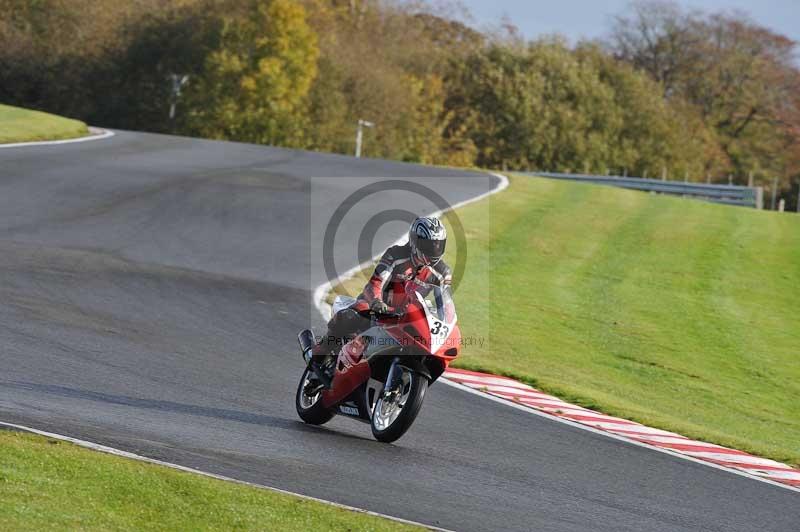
[727,194]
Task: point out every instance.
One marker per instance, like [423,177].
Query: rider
[420,257]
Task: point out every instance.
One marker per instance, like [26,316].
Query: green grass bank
[24,125]
[52,485]
[676,313]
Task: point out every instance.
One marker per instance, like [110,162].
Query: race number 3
[438,327]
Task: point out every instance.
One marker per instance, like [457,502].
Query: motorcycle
[381,375]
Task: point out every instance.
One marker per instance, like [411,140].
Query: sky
[592,18]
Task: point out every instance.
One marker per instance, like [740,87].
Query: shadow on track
[180,408]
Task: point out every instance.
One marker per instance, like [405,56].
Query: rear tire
[310,409]
[416,394]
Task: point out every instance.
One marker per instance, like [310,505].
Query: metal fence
[728,194]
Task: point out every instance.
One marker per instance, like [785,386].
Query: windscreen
[438,303]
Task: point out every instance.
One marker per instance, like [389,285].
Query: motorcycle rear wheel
[310,409]
[391,418]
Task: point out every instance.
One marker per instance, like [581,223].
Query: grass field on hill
[676,313]
[23,125]
[51,485]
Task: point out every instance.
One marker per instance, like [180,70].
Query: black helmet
[427,238]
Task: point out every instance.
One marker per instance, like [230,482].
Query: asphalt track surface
[151,288]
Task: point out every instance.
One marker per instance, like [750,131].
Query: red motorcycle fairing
[344,382]
[431,337]
[410,335]
[352,363]
[425,332]
[380,377]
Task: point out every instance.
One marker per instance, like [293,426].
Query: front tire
[310,409]
[391,418]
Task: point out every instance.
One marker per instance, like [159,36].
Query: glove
[379,307]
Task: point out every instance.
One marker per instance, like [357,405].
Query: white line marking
[743,459]
[493,383]
[609,425]
[126,454]
[533,395]
[703,450]
[95,134]
[544,403]
[784,474]
[614,436]
[641,430]
[592,417]
[679,440]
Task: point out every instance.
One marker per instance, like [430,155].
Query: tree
[549,107]
[659,38]
[255,86]
[134,89]
[385,63]
[741,79]
[658,133]
[58,55]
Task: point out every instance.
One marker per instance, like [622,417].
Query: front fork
[393,378]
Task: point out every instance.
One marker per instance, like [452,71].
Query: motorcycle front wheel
[310,408]
[395,412]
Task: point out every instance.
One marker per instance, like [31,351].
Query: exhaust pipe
[307,342]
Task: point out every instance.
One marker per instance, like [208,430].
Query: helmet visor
[431,249]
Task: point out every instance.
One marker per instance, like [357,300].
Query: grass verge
[675,313]
[53,485]
[24,125]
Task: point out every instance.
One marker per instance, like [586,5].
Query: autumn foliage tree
[740,78]
[254,87]
[385,63]
[675,91]
[546,106]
